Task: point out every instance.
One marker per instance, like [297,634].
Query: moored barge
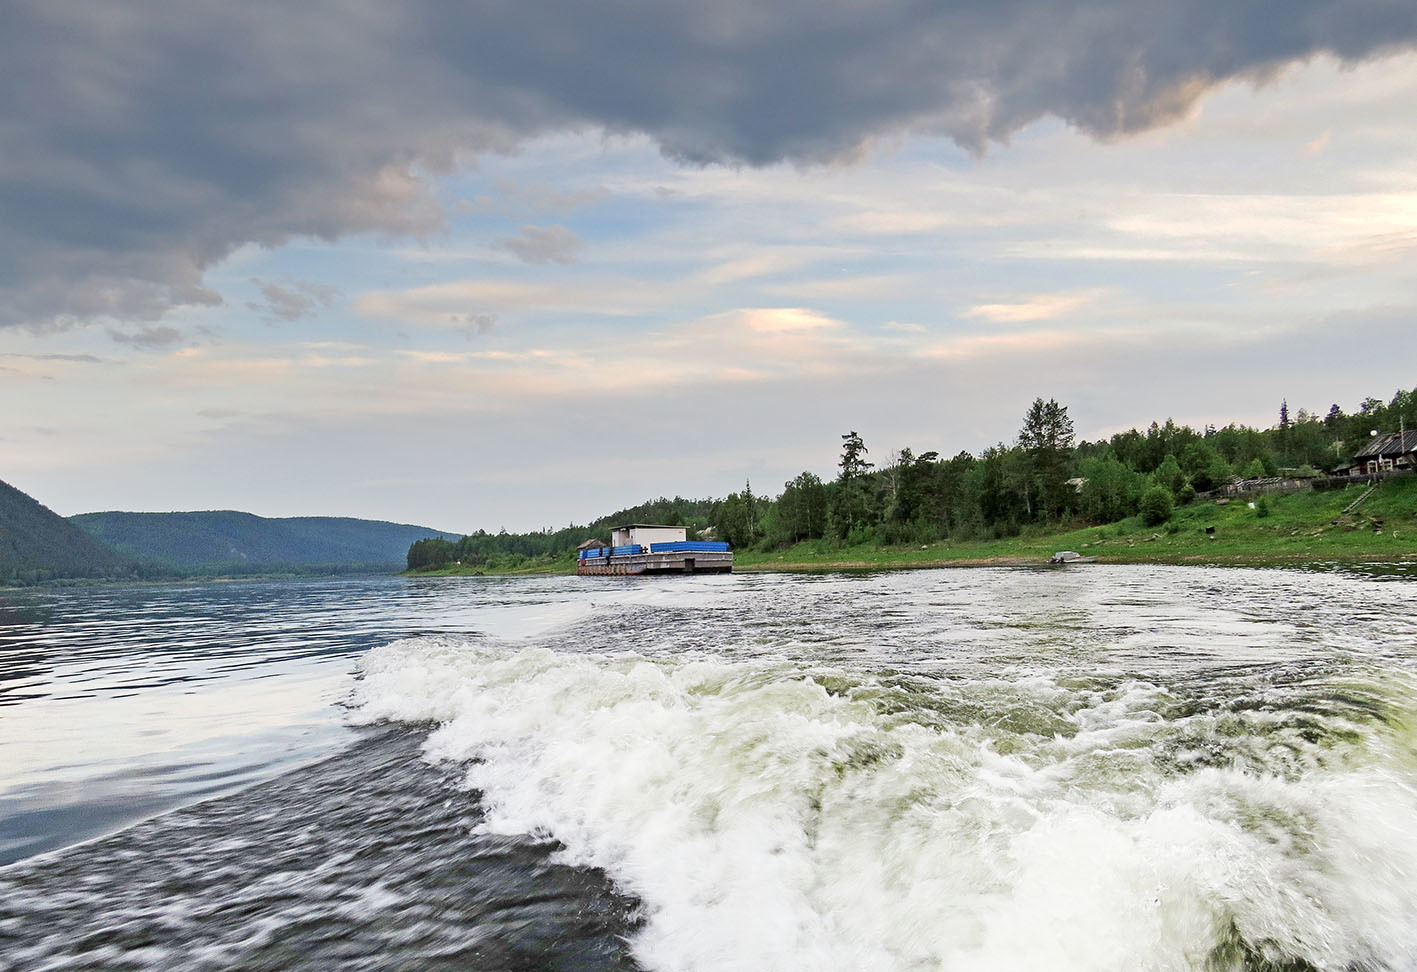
[650,548]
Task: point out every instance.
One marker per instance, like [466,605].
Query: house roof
[653,526]
[592,544]
[1391,444]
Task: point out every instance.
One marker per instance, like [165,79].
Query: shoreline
[1308,559]
[1314,529]
[1189,560]
[1297,529]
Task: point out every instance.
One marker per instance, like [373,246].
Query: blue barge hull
[680,557]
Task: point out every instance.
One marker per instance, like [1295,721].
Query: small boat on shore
[1069,557]
[651,548]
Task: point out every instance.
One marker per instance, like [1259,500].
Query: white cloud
[1041,307]
[851,287]
[1319,145]
[449,304]
[776,320]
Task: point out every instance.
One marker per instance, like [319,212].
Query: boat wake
[813,817]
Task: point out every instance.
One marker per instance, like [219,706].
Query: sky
[492,265]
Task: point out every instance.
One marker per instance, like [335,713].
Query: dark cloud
[140,143]
[293,300]
[76,358]
[473,325]
[542,244]
[147,338]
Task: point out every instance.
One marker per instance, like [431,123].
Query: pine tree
[852,452]
[850,508]
[1047,437]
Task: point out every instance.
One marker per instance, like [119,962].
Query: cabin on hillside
[1392,452]
[646,534]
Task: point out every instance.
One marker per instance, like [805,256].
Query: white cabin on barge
[653,548]
[646,534]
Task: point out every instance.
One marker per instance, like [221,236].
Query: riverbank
[187,580]
[561,565]
[1280,529]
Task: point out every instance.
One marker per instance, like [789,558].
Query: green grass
[505,567]
[1301,528]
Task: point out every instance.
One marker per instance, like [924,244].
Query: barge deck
[681,557]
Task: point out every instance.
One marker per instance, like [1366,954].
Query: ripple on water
[363,861]
[1106,768]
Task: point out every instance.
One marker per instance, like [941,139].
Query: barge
[650,548]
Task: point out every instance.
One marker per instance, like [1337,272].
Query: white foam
[769,824]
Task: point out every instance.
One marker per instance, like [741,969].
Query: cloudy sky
[519,264]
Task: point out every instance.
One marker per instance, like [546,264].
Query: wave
[789,815]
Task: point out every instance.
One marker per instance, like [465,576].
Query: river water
[1087,768]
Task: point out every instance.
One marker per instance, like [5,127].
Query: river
[1083,768]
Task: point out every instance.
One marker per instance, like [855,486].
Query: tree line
[1043,476]
[504,551]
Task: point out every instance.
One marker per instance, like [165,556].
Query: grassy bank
[1295,528]
[565,564]
[1301,527]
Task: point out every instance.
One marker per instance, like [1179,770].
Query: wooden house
[1391,452]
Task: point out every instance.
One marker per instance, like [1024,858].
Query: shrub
[1262,506]
[861,533]
[912,533]
[1186,495]
[970,531]
[1156,506]
[1006,529]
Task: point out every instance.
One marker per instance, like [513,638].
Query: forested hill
[229,542]
[38,544]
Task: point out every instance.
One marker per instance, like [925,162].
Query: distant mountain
[38,544]
[225,541]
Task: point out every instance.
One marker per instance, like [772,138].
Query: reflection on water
[120,701]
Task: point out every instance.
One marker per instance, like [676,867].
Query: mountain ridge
[233,541]
[37,544]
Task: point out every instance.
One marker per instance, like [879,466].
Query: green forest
[38,545]
[228,543]
[1044,477]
